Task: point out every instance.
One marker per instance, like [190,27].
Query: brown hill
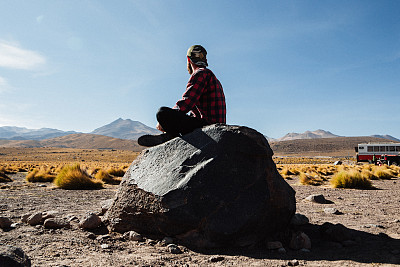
[337,146]
[85,141]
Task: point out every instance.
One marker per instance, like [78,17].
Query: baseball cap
[198,55]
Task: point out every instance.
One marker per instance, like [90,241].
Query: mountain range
[131,130]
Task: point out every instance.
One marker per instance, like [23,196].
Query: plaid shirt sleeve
[194,89]
[204,97]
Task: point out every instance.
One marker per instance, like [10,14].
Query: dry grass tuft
[116,172]
[41,175]
[107,178]
[4,178]
[368,174]
[383,172]
[307,179]
[350,179]
[73,177]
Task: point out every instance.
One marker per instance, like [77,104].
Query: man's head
[198,56]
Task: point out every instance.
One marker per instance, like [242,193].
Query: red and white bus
[388,153]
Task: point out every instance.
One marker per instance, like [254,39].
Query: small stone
[293,263]
[91,236]
[216,258]
[151,242]
[174,249]
[15,225]
[72,218]
[90,221]
[5,222]
[42,185]
[299,220]
[133,236]
[300,240]
[49,214]
[305,250]
[105,246]
[56,223]
[317,199]
[35,219]
[335,232]
[167,241]
[332,211]
[105,205]
[282,250]
[274,245]
[103,237]
[24,218]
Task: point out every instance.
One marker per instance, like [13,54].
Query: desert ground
[371,216]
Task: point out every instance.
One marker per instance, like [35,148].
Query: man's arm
[194,89]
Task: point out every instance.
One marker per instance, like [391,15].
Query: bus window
[376,148]
[398,148]
[382,149]
[361,148]
[370,148]
[391,149]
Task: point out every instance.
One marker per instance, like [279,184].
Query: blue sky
[286,66]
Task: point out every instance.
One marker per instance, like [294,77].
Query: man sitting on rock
[203,99]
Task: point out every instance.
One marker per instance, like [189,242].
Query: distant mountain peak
[125,129]
[308,135]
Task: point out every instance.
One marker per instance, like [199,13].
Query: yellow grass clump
[41,175]
[307,179]
[73,177]
[350,179]
[4,178]
[383,172]
[116,172]
[106,177]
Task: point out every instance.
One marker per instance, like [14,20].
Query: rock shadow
[330,242]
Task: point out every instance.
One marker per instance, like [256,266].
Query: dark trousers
[176,123]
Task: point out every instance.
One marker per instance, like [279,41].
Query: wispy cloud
[15,57]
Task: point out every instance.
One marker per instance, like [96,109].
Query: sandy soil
[373,216]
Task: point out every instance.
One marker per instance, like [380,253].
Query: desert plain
[370,215]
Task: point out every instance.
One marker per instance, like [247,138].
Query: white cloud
[12,56]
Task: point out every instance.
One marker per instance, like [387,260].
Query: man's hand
[160,128]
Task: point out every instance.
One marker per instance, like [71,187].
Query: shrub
[106,177]
[4,178]
[350,179]
[368,174]
[73,177]
[382,172]
[40,176]
[116,172]
[307,179]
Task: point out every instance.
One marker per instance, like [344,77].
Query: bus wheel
[394,163]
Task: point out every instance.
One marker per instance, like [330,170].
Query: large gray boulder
[216,186]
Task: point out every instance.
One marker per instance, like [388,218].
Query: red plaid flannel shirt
[204,97]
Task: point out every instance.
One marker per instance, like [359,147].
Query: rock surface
[213,187]
[5,222]
[90,221]
[13,256]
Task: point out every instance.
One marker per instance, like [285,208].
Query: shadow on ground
[330,242]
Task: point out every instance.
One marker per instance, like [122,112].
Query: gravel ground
[371,215]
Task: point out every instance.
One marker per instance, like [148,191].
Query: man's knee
[163,113]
